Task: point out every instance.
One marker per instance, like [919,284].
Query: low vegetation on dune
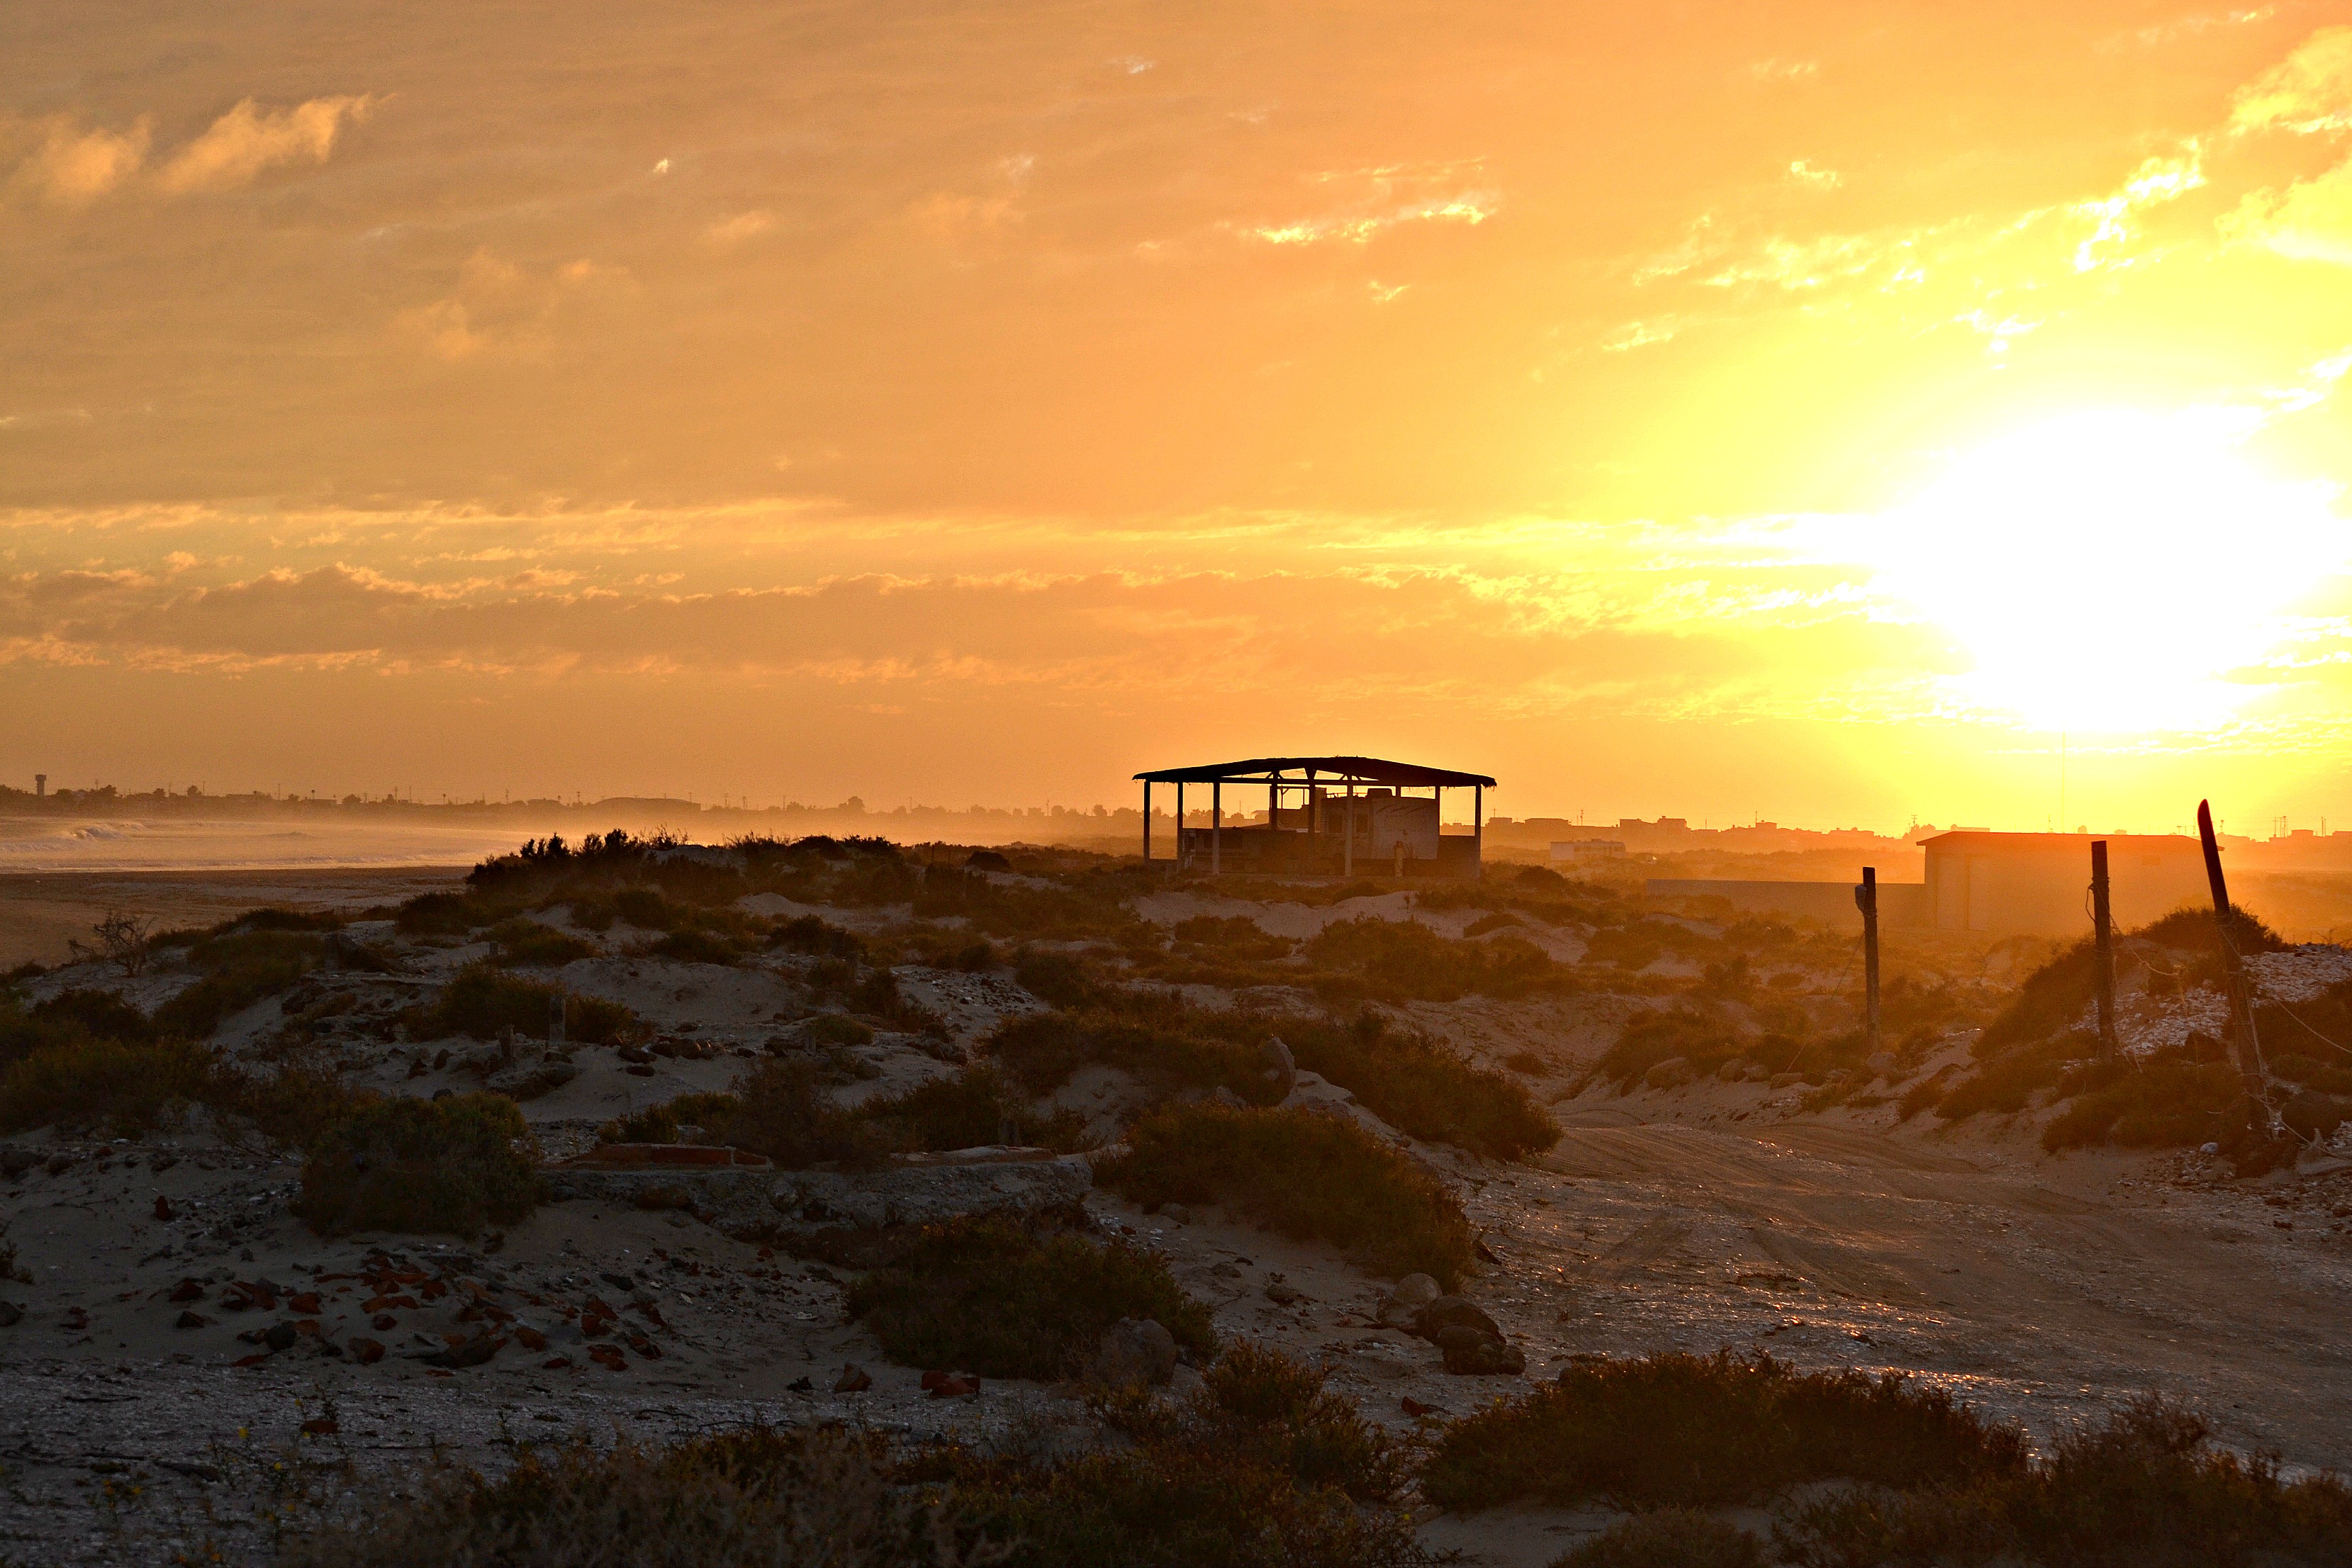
[122,1088]
[1400,961]
[483,999]
[780,1109]
[1422,1086]
[453,1165]
[1261,1468]
[963,1110]
[1309,1175]
[978,1106]
[1149,1037]
[1004,1301]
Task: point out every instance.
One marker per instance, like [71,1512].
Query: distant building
[1582,851]
[2039,883]
[1327,817]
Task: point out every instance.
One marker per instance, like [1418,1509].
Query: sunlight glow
[2108,570]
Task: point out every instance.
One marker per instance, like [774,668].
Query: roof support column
[1146,822]
[1180,825]
[1347,854]
[1217,828]
[1478,833]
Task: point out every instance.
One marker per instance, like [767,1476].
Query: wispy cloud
[248,140]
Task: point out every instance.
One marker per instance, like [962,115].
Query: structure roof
[1336,769]
[1971,839]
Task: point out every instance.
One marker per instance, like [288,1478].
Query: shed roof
[1338,770]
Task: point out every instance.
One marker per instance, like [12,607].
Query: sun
[2108,571]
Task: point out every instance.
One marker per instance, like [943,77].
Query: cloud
[500,306]
[2311,220]
[730,232]
[1802,172]
[2310,90]
[248,140]
[74,167]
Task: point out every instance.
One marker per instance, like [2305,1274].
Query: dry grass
[1308,1175]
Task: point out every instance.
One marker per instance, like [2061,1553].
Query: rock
[367,1352]
[163,1207]
[279,1336]
[1282,1293]
[1883,1064]
[1135,1353]
[186,1290]
[1175,1214]
[11,1314]
[15,1161]
[1671,1073]
[609,1357]
[1731,1071]
[473,1352]
[854,1379]
[320,1426]
[920,1191]
[1416,1409]
[1416,1291]
[191,1320]
[1277,1066]
[1470,1354]
[530,1081]
[800,1385]
[1453,1313]
[957,1387]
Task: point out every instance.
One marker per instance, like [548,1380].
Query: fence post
[1866,899]
[2242,1012]
[2103,921]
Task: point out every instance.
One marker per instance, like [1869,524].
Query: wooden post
[1216,826]
[2103,924]
[2241,1013]
[1866,899]
[1180,825]
[1146,822]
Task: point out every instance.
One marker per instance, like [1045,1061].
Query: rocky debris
[1135,1353]
[529,1080]
[1282,1292]
[854,1379]
[1278,1066]
[11,1314]
[1472,1343]
[950,1385]
[931,1189]
[1400,1307]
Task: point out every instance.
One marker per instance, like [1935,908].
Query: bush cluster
[1400,961]
[483,999]
[984,1296]
[1423,1086]
[1306,1174]
[451,1165]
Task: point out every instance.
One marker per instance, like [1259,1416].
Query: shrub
[1670,1537]
[809,934]
[524,941]
[1304,1174]
[1691,1431]
[2163,1100]
[980,1295]
[239,969]
[1062,979]
[836,1029]
[427,1165]
[1404,960]
[755,1498]
[1705,1041]
[973,1108]
[2143,1490]
[1154,1040]
[447,914]
[1424,1086]
[661,1123]
[696,947]
[128,1088]
[482,999]
[783,1115]
[1258,1468]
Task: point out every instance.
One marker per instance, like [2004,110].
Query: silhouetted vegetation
[1305,1175]
[239,968]
[528,942]
[978,1106]
[1003,1301]
[123,1088]
[482,999]
[1423,1086]
[1670,1537]
[1680,1430]
[1397,961]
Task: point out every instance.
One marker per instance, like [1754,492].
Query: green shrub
[1670,1537]
[1306,1174]
[2163,1100]
[125,1088]
[809,934]
[836,1029]
[1702,1039]
[482,999]
[1062,979]
[648,910]
[1423,1086]
[1691,1431]
[523,941]
[448,1165]
[819,1497]
[696,947]
[239,970]
[447,914]
[2142,1491]
[1159,1043]
[980,1295]
[976,1107]
[784,1114]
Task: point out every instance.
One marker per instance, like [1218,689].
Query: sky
[1832,413]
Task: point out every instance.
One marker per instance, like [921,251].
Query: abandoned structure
[2036,882]
[2008,884]
[1328,817]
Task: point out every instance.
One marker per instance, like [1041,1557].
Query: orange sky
[1808,410]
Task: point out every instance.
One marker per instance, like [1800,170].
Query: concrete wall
[1899,903]
[2039,883]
